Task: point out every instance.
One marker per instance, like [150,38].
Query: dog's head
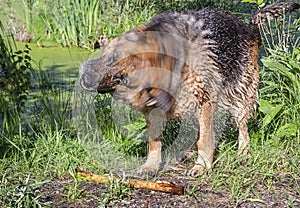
[137,68]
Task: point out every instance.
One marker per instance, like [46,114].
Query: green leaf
[265,106]
[270,110]
[260,3]
[272,65]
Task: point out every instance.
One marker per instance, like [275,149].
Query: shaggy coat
[186,65]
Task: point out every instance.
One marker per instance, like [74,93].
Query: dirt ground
[69,193]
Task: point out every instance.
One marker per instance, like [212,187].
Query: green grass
[269,165]
[52,154]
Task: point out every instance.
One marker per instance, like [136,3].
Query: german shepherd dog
[186,65]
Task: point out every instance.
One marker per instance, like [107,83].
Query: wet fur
[185,65]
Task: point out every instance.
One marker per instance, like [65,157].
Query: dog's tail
[272,11]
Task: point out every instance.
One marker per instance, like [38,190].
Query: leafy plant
[280,96]
[14,81]
[15,69]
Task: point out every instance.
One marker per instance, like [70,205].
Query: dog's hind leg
[246,107]
[243,139]
[206,140]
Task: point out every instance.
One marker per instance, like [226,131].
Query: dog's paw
[196,170]
[151,166]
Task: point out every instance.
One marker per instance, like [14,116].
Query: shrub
[14,81]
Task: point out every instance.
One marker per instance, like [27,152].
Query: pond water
[55,71]
[60,63]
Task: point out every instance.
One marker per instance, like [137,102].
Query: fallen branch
[132,183]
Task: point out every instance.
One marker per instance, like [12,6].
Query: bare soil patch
[69,193]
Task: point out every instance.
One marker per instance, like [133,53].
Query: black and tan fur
[186,65]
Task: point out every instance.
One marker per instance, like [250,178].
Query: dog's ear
[152,26]
[160,24]
[140,28]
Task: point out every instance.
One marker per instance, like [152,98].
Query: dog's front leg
[206,140]
[154,156]
[155,120]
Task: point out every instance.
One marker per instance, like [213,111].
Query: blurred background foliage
[82,22]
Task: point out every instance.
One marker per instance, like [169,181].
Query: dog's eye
[110,61]
[122,79]
[117,55]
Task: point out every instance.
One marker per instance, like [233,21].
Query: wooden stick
[132,183]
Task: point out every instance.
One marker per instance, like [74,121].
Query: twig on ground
[132,183]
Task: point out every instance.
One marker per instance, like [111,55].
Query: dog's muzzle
[89,81]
